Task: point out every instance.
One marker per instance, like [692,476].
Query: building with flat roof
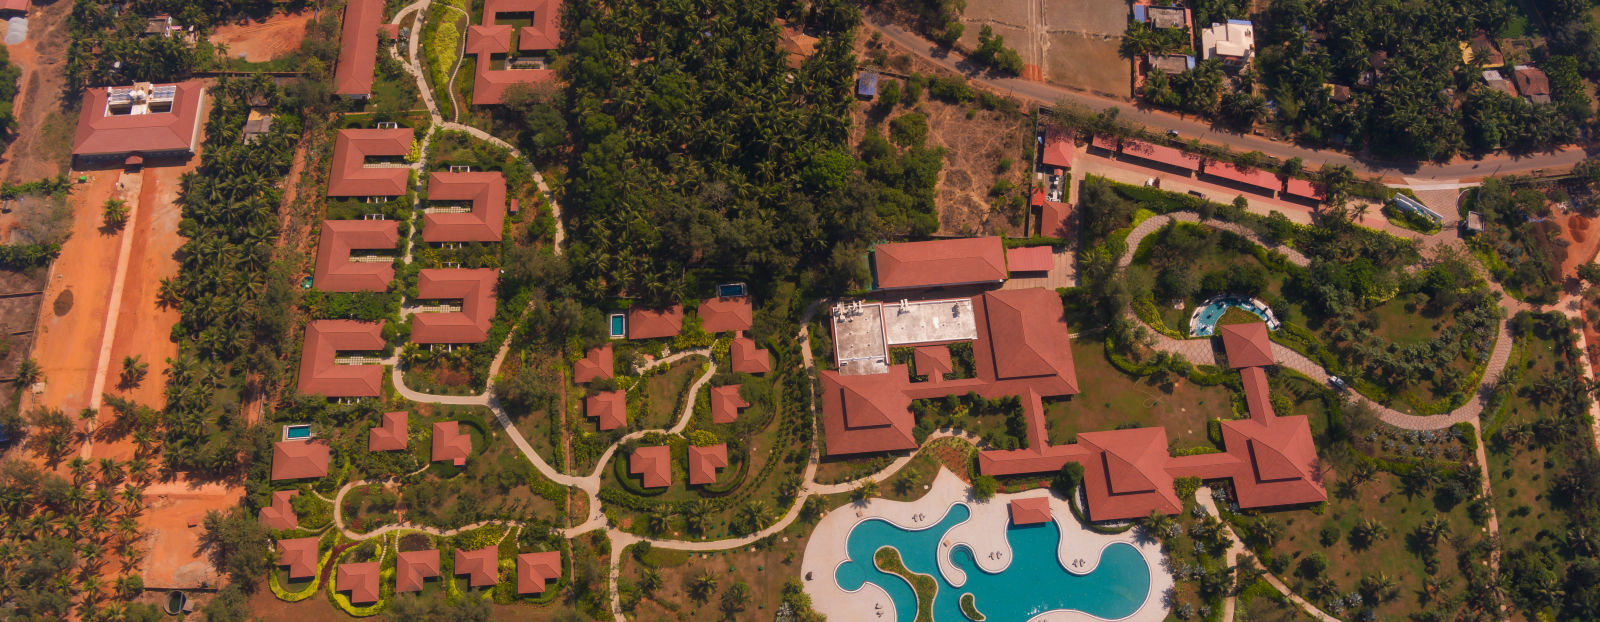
[483,222]
[140,121]
[300,459]
[508,55]
[393,435]
[339,270]
[655,323]
[653,465]
[609,408]
[358,48]
[475,288]
[704,462]
[321,374]
[1170,64]
[351,176]
[1233,42]
[535,570]
[937,263]
[413,569]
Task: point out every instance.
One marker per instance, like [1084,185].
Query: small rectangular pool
[619,326]
[730,290]
[296,432]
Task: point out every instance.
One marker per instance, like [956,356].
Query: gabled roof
[705,461]
[20,6]
[280,515]
[361,580]
[1125,475]
[392,435]
[1058,149]
[1030,259]
[336,273]
[482,566]
[1531,81]
[719,315]
[725,403]
[596,365]
[412,568]
[449,444]
[610,407]
[1170,156]
[1030,510]
[101,133]
[325,339]
[1304,188]
[351,177]
[1247,345]
[934,263]
[746,358]
[475,288]
[300,555]
[536,569]
[655,323]
[1257,396]
[485,221]
[1028,335]
[1264,180]
[300,459]
[543,33]
[358,47]
[491,39]
[932,361]
[866,413]
[653,465]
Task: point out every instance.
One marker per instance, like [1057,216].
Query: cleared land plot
[1103,17]
[43,142]
[1088,62]
[260,41]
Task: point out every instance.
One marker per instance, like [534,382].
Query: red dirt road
[263,41]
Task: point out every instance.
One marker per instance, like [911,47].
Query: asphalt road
[1189,127]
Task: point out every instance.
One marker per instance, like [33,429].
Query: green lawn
[1110,398]
[1522,472]
[657,400]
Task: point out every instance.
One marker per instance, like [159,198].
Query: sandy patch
[263,41]
[173,524]
[1089,62]
[42,146]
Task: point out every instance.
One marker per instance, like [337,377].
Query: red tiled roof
[1057,149]
[299,459]
[1247,345]
[940,262]
[102,134]
[1053,219]
[412,568]
[704,462]
[1125,476]
[1028,335]
[482,566]
[1257,396]
[653,465]
[361,580]
[280,515]
[392,435]
[597,365]
[866,413]
[1104,141]
[475,288]
[324,340]
[725,403]
[351,177]
[1038,198]
[655,323]
[1530,80]
[1029,259]
[746,358]
[1248,176]
[1023,461]
[490,39]
[544,33]
[1283,465]
[536,569]
[1170,156]
[720,315]
[336,273]
[1030,510]
[358,47]
[449,444]
[14,5]
[932,361]
[300,555]
[1303,188]
[485,223]
[610,407]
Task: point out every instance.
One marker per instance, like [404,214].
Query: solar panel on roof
[164,92]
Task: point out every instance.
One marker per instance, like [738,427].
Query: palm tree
[703,585]
[659,521]
[695,515]
[134,369]
[1268,530]
[1433,528]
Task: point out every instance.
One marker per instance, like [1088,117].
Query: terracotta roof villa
[449,444]
[474,288]
[726,403]
[300,555]
[596,365]
[335,270]
[1053,219]
[484,222]
[393,435]
[500,63]
[1027,337]
[1125,475]
[746,358]
[1030,510]
[143,120]
[321,374]
[300,459]
[935,263]
[653,465]
[721,315]
[609,407]
[413,568]
[482,566]
[1247,345]
[866,413]
[932,361]
[1057,152]
[361,580]
[280,515]
[351,177]
[704,462]
[655,323]
[534,570]
[358,48]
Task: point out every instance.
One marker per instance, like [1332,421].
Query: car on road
[1337,383]
[1172,133]
[1196,194]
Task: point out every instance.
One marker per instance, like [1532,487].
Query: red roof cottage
[609,407]
[300,459]
[596,365]
[655,323]
[704,462]
[482,566]
[337,272]
[393,435]
[726,403]
[361,580]
[534,570]
[1030,510]
[653,465]
[325,339]
[300,555]
[474,288]
[509,55]
[280,515]
[351,177]
[449,444]
[413,568]
[483,222]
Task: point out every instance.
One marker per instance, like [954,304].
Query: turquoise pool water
[1205,322]
[619,325]
[1034,582]
[728,290]
[297,431]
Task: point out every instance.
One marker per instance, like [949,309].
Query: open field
[42,147]
[260,41]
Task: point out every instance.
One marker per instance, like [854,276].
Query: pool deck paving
[984,532]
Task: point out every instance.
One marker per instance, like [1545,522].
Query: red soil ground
[263,41]
[43,131]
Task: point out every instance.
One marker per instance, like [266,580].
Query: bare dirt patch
[1099,17]
[42,146]
[19,310]
[261,41]
[172,521]
[1089,62]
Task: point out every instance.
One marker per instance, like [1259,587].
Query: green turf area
[1110,398]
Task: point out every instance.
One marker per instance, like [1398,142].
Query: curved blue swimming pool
[1034,582]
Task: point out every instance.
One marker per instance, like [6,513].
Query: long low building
[140,121]
[938,263]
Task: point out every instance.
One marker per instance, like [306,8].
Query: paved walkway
[1235,547]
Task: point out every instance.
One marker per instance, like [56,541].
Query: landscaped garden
[1110,398]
